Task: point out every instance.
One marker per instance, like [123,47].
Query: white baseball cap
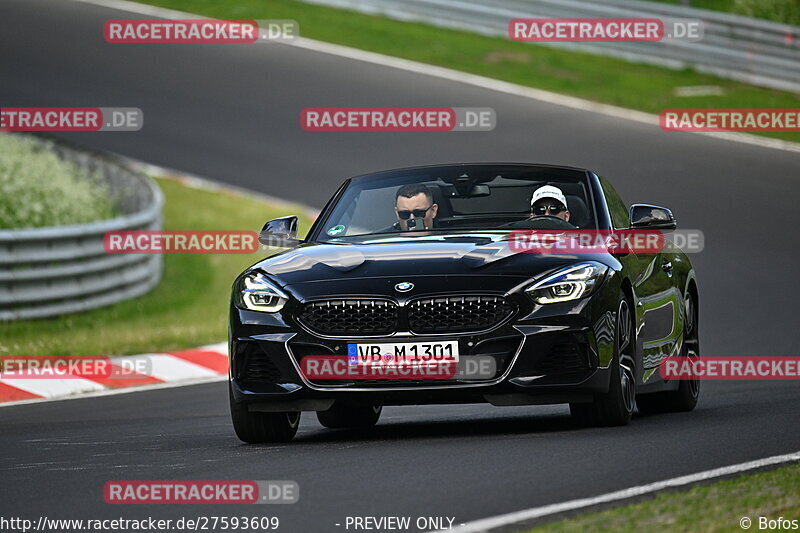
[548,191]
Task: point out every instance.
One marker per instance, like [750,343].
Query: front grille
[350,317]
[446,314]
[453,314]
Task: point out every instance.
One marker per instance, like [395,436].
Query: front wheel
[256,427]
[615,407]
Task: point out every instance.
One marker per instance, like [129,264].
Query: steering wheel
[541,222]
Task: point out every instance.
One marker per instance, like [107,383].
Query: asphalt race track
[231,113]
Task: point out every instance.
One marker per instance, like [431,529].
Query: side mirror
[280,232]
[652,217]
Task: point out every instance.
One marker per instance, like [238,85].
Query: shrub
[787,11]
[37,189]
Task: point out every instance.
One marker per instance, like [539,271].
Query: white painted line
[487,524]
[141,9]
[166,367]
[50,388]
[124,390]
[527,92]
[196,182]
[462,77]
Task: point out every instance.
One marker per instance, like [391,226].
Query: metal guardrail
[53,271]
[751,50]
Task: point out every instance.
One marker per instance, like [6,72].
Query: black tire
[615,407]
[256,427]
[344,415]
[684,398]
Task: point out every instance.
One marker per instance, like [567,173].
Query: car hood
[440,266]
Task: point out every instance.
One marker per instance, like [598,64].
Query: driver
[549,200]
[414,207]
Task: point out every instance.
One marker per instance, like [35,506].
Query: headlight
[570,283]
[257,293]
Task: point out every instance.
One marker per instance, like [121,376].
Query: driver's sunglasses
[405,214]
[542,209]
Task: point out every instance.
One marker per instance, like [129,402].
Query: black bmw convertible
[410,288]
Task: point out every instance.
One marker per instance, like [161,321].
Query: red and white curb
[203,364]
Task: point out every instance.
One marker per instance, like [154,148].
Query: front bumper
[553,354]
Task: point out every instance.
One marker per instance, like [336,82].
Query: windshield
[457,199]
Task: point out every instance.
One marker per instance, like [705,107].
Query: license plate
[402,353]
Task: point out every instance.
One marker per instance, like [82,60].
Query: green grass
[710,508]
[787,11]
[612,81]
[187,309]
[37,189]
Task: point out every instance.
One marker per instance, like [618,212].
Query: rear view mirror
[280,232]
[652,217]
[473,191]
[479,190]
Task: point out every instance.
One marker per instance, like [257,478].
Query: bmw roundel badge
[404,286]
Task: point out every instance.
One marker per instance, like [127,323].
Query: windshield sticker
[336,230]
